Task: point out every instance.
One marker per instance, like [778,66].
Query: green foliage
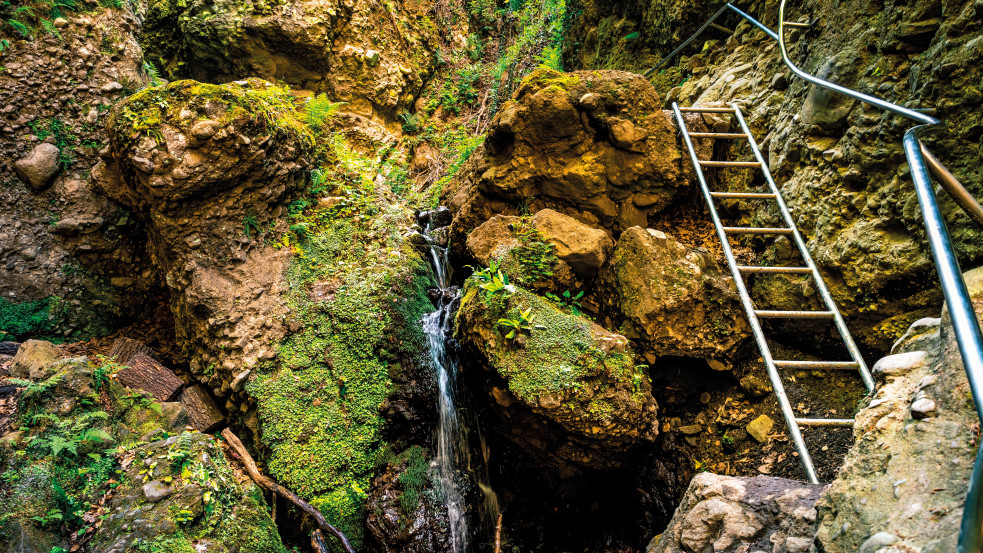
[568,302]
[411,121]
[536,258]
[65,140]
[319,110]
[494,284]
[413,479]
[26,319]
[28,17]
[104,371]
[358,291]
[250,224]
[512,327]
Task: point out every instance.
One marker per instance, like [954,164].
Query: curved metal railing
[965,324]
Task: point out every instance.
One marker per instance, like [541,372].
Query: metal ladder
[754,315]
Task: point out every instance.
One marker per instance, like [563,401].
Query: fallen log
[9,348]
[269,484]
[144,373]
[125,348]
[205,415]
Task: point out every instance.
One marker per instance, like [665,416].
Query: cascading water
[453,448]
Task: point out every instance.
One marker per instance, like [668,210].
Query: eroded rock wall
[72,254]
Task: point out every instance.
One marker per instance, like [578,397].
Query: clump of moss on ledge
[254,105]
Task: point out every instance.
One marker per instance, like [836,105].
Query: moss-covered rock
[79,455]
[561,366]
[179,493]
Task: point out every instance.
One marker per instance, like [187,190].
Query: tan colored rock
[492,239]
[594,145]
[760,427]
[33,360]
[39,167]
[584,248]
[740,514]
[673,299]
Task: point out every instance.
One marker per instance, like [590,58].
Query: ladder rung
[797,24]
[814,365]
[706,110]
[717,135]
[730,163]
[824,422]
[743,195]
[779,270]
[794,314]
[757,230]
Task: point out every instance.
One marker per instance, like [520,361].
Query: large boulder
[181,493]
[206,167]
[594,145]
[564,369]
[33,360]
[903,484]
[671,299]
[729,514]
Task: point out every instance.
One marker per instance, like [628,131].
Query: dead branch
[498,534]
[269,484]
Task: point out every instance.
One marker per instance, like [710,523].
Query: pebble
[923,408]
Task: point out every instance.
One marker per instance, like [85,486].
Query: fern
[319,110]
[19,27]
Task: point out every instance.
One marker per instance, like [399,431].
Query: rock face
[913,454]
[60,242]
[204,166]
[840,165]
[729,514]
[672,299]
[376,58]
[566,370]
[39,167]
[405,513]
[594,145]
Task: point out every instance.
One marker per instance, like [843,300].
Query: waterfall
[454,460]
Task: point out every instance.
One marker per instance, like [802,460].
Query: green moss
[413,479]
[29,318]
[359,292]
[257,107]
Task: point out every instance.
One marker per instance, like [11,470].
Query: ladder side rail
[759,337]
[804,252]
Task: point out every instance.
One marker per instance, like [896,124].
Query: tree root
[269,484]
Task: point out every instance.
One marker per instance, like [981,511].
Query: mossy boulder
[78,460]
[595,145]
[207,169]
[179,493]
[563,367]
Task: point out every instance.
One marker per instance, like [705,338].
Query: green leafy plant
[568,301]
[512,327]
[319,110]
[536,257]
[411,121]
[106,369]
[250,223]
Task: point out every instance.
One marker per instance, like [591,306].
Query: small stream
[456,464]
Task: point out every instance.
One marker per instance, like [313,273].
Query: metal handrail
[965,324]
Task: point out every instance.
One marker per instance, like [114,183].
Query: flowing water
[455,463]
